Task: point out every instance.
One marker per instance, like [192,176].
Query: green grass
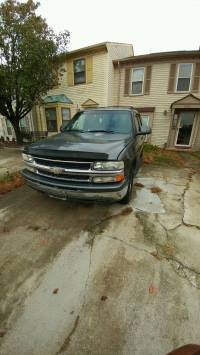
[166,160]
[149,148]
[160,156]
[8,177]
[196,154]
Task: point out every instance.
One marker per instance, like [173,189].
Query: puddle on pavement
[145,200]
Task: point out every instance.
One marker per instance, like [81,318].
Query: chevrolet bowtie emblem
[56,170]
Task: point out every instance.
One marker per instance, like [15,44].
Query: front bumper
[103,192]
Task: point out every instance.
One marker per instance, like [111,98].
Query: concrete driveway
[102,279]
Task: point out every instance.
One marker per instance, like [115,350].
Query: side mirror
[144,132]
[63,126]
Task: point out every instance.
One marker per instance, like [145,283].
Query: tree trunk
[18,133]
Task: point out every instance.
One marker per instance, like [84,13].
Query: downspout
[119,84]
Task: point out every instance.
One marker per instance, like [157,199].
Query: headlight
[109,165]
[27,158]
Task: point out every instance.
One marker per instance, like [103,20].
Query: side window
[145,122]
[139,122]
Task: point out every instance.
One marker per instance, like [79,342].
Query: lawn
[163,157]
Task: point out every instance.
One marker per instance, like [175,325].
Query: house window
[79,71]
[137,81]
[51,118]
[65,115]
[9,127]
[184,77]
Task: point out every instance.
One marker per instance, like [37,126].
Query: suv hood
[77,145]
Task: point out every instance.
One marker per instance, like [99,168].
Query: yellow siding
[70,78]
[115,51]
[89,69]
[100,85]
[158,98]
[97,90]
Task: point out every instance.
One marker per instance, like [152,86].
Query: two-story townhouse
[87,81]
[165,88]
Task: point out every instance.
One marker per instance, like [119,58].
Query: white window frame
[179,91]
[192,132]
[142,92]
[75,60]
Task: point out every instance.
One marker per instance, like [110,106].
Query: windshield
[101,121]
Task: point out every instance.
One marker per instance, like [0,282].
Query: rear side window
[138,122]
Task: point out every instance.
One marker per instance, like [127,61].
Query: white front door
[185,128]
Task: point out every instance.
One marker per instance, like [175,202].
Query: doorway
[185,128]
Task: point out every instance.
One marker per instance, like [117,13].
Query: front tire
[127,198]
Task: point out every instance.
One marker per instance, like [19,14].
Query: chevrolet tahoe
[95,156]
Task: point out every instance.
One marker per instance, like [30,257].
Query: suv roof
[128,108]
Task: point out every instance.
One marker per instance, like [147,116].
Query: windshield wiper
[101,130]
[75,130]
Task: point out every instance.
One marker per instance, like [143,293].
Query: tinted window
[109,121]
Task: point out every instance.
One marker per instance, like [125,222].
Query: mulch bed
[10,182]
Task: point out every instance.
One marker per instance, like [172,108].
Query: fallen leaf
[55,291]
[104,298]
[126,211]
[155,189]
[139,184]
[153,290]
[2,333]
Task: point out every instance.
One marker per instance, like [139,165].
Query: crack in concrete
[67,340]
[179,267]
[128,244]
[90,242]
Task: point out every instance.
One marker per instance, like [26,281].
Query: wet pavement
[80,278]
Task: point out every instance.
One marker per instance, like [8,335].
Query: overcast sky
[150,25]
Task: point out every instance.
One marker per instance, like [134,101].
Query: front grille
[64,177]
[60,163]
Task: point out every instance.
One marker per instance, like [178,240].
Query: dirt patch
[10,182]
[160,156]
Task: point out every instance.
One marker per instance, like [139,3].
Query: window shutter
[147,83]
[89,69]
[70,73]
[196,78]
[127,82]
[172,78]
